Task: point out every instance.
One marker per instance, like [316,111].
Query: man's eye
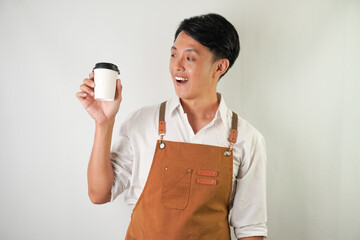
[173,55]
[190,59]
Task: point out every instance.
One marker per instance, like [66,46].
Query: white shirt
[134,147]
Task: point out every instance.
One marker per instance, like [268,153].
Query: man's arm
[100,171]
[250,219]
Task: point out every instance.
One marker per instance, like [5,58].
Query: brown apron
[187,192]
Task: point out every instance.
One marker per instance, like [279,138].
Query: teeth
[181,79]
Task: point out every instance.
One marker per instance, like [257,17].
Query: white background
[296,80]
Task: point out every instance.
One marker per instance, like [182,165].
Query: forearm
[100,171]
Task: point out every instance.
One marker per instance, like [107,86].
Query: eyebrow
[188,50]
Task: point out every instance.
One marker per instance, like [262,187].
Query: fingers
[88,86]
[81,95]
[91,75]
[89,82]
[87,89]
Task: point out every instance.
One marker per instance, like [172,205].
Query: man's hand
[100,111]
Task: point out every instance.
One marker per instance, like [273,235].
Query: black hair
[214,32]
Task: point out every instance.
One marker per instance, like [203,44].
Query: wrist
[108,123]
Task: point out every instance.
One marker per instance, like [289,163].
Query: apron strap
[162,119]
[233,131]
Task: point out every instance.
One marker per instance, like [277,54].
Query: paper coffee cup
[105,75]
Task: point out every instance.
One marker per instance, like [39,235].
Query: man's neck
[201,107]
[200,111]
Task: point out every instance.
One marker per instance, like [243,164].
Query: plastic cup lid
[107,66]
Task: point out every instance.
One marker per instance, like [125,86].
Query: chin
[183,96]
[180,94]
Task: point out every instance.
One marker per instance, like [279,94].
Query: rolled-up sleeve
[249,212]
[121,157]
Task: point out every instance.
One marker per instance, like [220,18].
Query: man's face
[191,68]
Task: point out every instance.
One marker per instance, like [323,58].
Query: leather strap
[206,181]
[162,118]
[208,173]
[233,131]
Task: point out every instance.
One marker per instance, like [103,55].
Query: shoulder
[142,118]
[249,146]
[247,132]
[142,114]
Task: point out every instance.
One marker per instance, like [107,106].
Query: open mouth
[180,79]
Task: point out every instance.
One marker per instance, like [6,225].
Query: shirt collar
[221,113]
[223,110]
[174,104]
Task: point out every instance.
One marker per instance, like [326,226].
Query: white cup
[105,75]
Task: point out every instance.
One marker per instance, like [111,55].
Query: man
[187,162]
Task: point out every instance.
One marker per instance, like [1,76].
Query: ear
[220,67]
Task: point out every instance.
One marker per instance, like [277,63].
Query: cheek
[170,65]
[194,69]
[199,72]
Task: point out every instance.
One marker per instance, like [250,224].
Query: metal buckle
[227,153]
[162,144]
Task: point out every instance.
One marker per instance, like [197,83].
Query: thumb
[118,89]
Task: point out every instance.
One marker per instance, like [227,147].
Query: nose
[179,65]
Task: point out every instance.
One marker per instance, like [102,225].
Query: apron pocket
[176,187]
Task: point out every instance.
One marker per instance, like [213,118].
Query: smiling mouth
[180,79]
